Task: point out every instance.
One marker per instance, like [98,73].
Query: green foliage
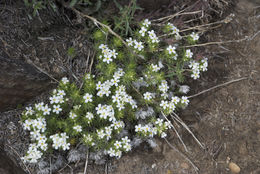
[125,18]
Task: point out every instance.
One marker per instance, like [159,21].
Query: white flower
[54,99]
[146,23]
[138,45]
[107,59]
[148,96]
[46,110]
[65,80]
[174,29]
[111,152]
[129,41]
[102,46]
[159,122]
[175,100]
[163,87]
[42,145]
[27,125]
[57,109]
[77,128]
[114,82]
[117,144]
[155,68]
[142,31]
[88,97]
[127,147]
[89,116]
[125,140]
[194,36]
[39,106]
[138,128]
[171,49]
[34,134]
[113,53]
[188,53]
[72,115]
[164,104]
[195,75]
[61,93]
[29,111]
[101,134]
[184,100]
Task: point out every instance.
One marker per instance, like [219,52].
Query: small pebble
[234,168]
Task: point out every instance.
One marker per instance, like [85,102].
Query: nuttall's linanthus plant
[123,102]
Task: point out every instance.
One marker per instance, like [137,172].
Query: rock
[234,168]
[19,82]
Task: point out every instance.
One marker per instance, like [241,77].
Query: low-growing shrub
[125,101]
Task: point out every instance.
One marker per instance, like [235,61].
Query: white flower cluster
[163,87]
[33,154]
[188,53]
[157,128]
[155,67]
[197,67]
[37,129]
[121,97]
[153,37]
[171,105]
[60,141]
[104,88]
[106,112]
[107,54]
[119,146]
[56,99]
[134,43]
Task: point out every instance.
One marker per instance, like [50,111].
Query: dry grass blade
[184,156]
[185,147]
[178,119]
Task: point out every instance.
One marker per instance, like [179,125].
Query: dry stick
[185,147]
[184,156]
[178,119]
[86,163]
[218,86]
[216,43]
[177,14]
[19,158]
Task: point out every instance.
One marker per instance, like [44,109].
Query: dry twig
[178,119]
[86,163]
[185,147]
[183,155]
[217,86]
